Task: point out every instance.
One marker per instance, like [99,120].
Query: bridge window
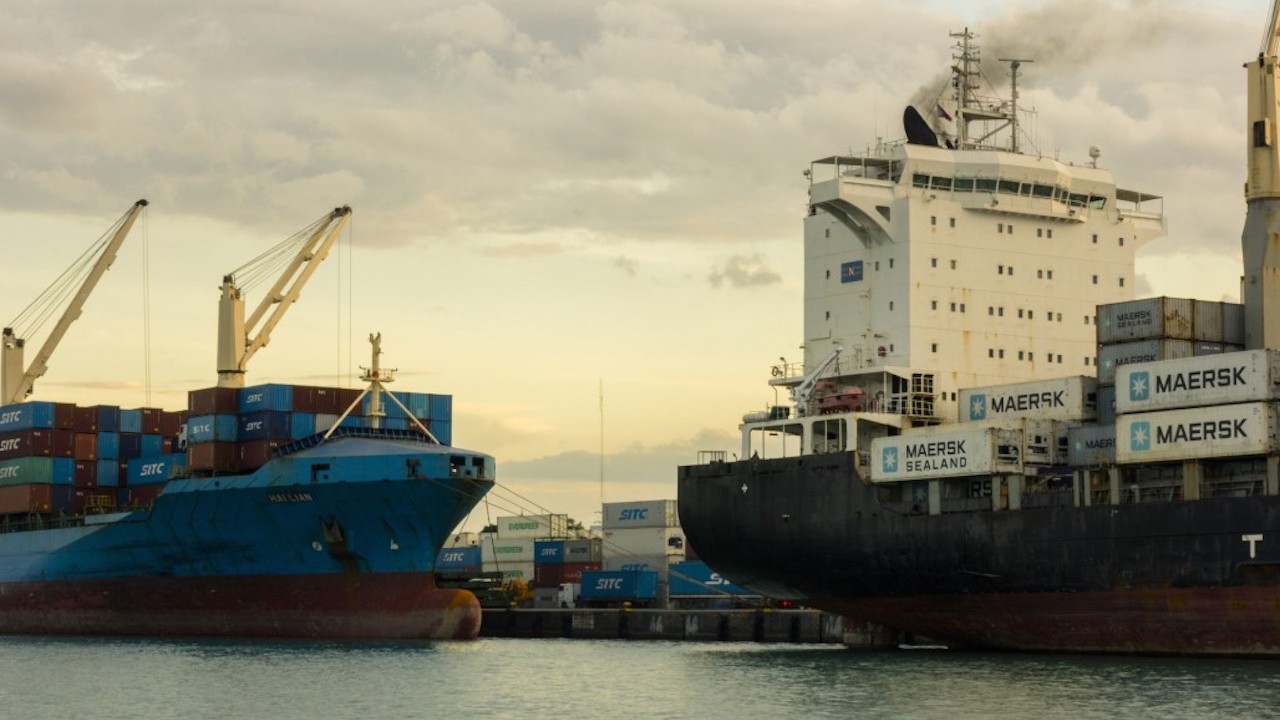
[830,436]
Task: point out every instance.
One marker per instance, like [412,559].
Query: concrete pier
[768,626]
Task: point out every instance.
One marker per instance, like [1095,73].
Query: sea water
[80,678]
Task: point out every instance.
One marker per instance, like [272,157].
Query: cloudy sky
[550,197]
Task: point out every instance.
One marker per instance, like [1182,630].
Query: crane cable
[53,298]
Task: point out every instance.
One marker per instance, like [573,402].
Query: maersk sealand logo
[1140,436]
[889,460]
[978,407]
[1139,386]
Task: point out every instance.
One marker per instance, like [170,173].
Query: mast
[1260,241]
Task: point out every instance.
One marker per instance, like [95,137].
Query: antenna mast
[1014,65]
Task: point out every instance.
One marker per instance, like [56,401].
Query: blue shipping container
[441,407]
[108,473]
[130,445]
[693,577]
[458,558]
[548,552]
[266,397]
[25,416]
[131,421]
[108,445]
[211,428]
[302,425]
[419,405]
[619,585]
[264,425]
[389,407]
[443,430]
[108,418]
[154,470]
[152,445]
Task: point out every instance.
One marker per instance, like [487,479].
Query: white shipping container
[1044,442]
[1193,433]
[1224,379]
[1113,357]
[511,571]
[643,541]
[641,513]
[1157,317]
[504,550]
[919,456]
[1069,398]
[1091,445]
[659,563]
[533,526]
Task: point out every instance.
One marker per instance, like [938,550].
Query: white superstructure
[949,261]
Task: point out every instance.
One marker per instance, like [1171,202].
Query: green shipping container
[37,471]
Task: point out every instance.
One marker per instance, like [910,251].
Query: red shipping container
[34,498]
[86,473]
[143,496]
[170,423]
[213,401]
[86,420]
[86,446]
[325,400]
[64,416]
[214,456]
[346,396]
[256,453]
[548,576]
[40,442]
[304,398]
[151,420]
[572,572]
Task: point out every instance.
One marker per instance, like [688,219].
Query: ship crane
[1260,241]
[802,393]
[16,383]
[301,254]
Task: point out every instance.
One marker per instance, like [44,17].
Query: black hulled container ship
[991,443]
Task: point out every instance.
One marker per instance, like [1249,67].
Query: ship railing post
[1016,484]
[1113,474]
[999,493]
[1192,476]
[1080,488]
[1273,475]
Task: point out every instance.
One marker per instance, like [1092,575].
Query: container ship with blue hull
[991,443]
[264,511]
[336,540]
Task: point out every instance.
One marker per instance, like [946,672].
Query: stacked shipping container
[510,550]
[57,457]
[1142,334]
[234,430]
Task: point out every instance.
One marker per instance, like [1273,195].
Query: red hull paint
[348,606]
[1227,621]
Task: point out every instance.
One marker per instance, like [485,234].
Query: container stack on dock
[238,430]
[510,550]
[642,539]
[560,564]
[59,457]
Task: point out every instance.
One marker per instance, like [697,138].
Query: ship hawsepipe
[1195,577]
[337,540]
